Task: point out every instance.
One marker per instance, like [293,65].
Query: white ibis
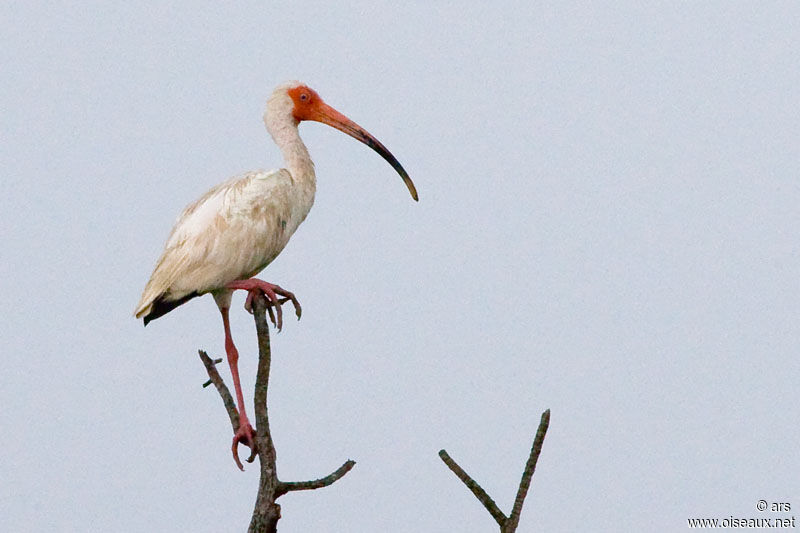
[240,226]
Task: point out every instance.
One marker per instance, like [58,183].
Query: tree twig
[209,382]
[476,489]
[289,486]
[266,512]
[507,524]
[222,389]
[513,519]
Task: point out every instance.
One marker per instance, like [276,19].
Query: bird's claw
[273,300]
[248,303]
[247,436]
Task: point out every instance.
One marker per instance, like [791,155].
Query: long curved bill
[328,115]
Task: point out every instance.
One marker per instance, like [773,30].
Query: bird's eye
[304,97]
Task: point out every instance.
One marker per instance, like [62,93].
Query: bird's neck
[297,160]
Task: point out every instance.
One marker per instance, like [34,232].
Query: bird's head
[295,102]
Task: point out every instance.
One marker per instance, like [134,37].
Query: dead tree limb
[222,389]
[508,524]
[476,489]
[266,512]
[289,486]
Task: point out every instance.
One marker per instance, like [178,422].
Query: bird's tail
[161,306]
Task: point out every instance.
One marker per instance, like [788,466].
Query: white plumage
[238,227]
[230,233]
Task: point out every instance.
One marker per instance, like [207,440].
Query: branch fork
[508,524]
[266,513]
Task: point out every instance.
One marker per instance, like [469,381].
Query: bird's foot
[255,286]
[247,436]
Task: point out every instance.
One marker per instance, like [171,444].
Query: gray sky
[607,227]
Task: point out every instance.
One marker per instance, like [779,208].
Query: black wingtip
[162,306]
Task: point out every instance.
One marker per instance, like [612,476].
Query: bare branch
[289,486]
[266,512]
[507,525]
[216,379]
[530,466]
[476,489]
[209,382]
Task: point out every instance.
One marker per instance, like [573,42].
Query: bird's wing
[196,257]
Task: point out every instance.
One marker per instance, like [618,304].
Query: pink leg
[271,291]
[246,435]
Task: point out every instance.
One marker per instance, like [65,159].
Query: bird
[233,231]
